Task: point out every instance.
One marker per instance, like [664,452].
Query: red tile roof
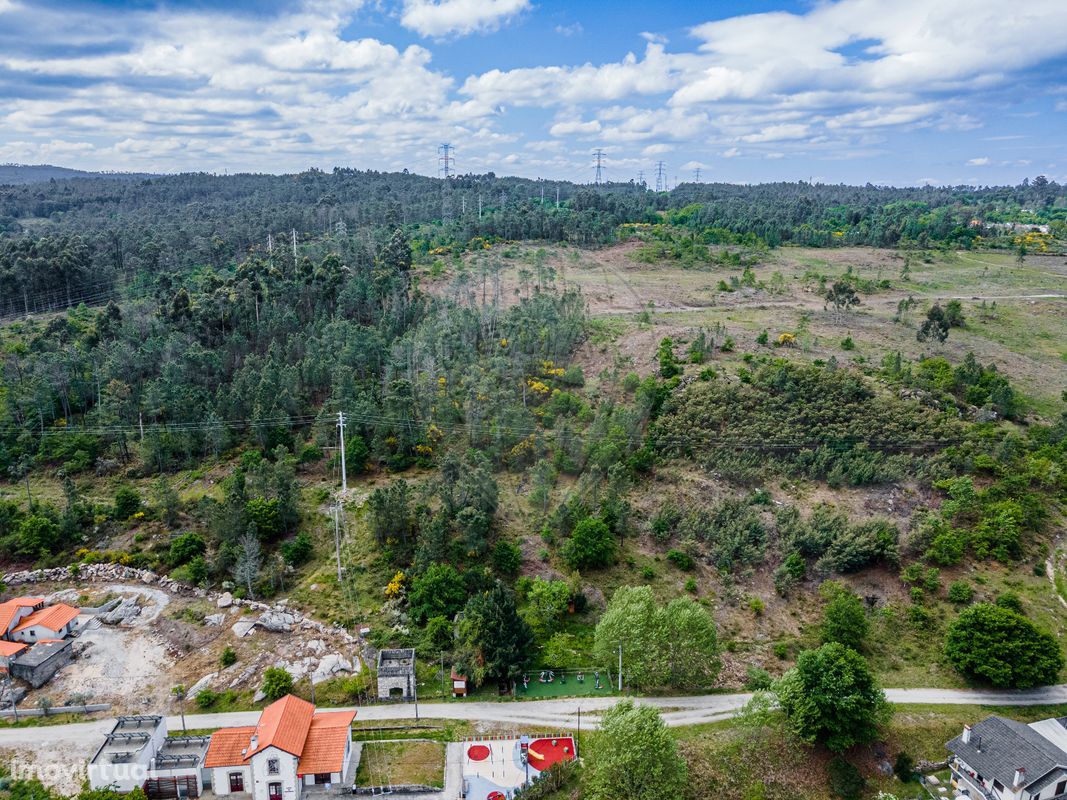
[8,649]
[228,747]
[324,748]
[53,618]
[284,724]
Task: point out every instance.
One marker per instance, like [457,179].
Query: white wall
[220,779]
[37,632]
[286,774]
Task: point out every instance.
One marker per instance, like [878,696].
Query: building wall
[291,789]
[386,683]
[37,632]
[41,674]
[220,779]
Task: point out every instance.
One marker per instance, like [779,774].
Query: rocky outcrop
[126,610]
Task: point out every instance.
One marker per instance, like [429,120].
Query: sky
[900,92]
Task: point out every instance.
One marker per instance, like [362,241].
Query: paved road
[562,713]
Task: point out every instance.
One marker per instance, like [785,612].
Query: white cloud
[460,17]
[1061,105]
[575,127]
[778,133]
[731,152]
[574,29]
[983,161]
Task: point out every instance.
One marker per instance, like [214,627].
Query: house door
[274,791]
[237,782]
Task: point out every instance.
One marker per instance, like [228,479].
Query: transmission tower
[446,167]
[640,176]
[598,154]
[445,162]
[661,176]
[696,175]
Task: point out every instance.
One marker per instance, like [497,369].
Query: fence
[50,712]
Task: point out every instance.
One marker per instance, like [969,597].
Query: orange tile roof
[284,724]
[53,618]
[8,649]
[9,608]
[228,746]
[324,748]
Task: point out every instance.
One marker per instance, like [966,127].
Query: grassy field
[404,762]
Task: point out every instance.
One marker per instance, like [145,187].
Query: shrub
[1010,601]
[194,573]
[591,544]
[757,679]
[298,549]
[680,559]
[848,344]
[206,698]
[846,781]
[665,521]
[756,606]
[277,683]
[228,657]
[691,586]
[861,546]
[507,558]
[845,620]
[127,502]
[733,532]
[437,592]
[185,547]
[904,767]
[960,592]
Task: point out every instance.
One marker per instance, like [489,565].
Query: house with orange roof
[292,748]
[13,611]
[53,622]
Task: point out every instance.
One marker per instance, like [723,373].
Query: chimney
[966,738]
[1020,777]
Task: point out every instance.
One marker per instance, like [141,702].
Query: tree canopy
[1001,647]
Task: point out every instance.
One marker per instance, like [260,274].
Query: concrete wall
[41,674]
[35,633]
[220,779]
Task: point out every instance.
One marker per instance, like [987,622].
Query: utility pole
[661,176]
[620,667]
[578,736]
[479,205]
[294,248]
[179,692]
[557,197]
[415,692]
[344,472]
[270,244]
[337,538]
[542,195]
[598,154]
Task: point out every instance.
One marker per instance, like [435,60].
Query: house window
[272,766]
[322,777]
[237,782]
[1061,787]
[998,785]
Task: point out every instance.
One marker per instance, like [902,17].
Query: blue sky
[908,92]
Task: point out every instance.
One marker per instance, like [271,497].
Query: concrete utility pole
[620,667]
[344,472]
[557,197]
[294,247]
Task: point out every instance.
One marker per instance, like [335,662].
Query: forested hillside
[658,419]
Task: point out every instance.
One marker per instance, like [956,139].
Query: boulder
[123,612]
[277,621]
[214,619]
[202,684]
[225,600]
[329,666]
[243,627]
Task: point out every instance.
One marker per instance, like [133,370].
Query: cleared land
[402,763]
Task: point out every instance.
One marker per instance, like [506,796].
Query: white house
[292,747]
[53,622]
[13,611]
[138,754]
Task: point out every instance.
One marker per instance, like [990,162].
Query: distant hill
[17,174]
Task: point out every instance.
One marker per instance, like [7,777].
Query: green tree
[494,640]
[265,514]
[591,544]
[844,619]
[633,756]
[437,592]
[127,502]
[935,327]
[842,296]
[35,535]
[186,547]
[507,558]
[830,696]
[277,683]
[673,645]
[668,366]
[546,603]
[167,502]
[298,549]
[1003,648]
